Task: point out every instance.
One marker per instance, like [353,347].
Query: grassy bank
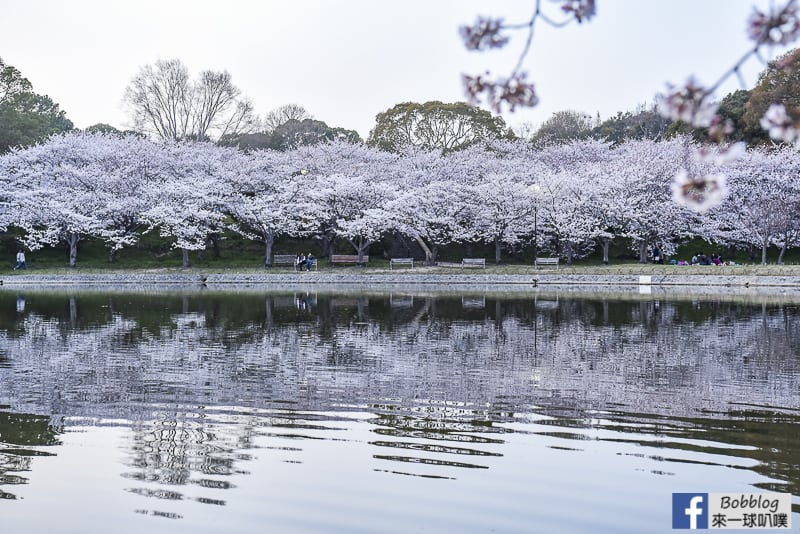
[153,254]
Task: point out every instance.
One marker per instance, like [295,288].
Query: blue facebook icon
[690,510]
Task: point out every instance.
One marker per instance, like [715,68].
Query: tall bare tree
[164,101]
[283,114]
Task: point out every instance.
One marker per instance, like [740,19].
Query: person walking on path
[20,261]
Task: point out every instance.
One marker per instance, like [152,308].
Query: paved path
[500,283]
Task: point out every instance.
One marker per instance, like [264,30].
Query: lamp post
[535,233]
[534,190]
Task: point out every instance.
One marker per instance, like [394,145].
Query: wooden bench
[284,259]
[473,262]
[401,261]
[545,262]
[347,258]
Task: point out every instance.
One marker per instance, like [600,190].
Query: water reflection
[212,389]
[21,436]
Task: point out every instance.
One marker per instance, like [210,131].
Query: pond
[243,412]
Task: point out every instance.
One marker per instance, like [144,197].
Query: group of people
[658,255]
[698,259]
[304,262]
[702,259]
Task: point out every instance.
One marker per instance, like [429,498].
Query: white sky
[347,60]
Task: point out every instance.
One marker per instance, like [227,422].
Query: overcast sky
[347,60]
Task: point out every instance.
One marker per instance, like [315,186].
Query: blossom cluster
[484,34]
[778,26]
[514,91]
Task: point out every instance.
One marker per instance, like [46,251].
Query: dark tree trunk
[606,247]
[362,248]
[213,239]
[430,256]
[326,244]
[751,253]
[73,248]
[642,251]
[185,252]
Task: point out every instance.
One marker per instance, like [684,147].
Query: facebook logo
[690,510]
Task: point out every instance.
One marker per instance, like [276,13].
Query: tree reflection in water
[203,379]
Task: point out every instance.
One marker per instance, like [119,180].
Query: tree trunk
[326,244]
[731,251]
[642,251]
[214,239]
[269,240]
[497,250]
[606,247]
[73,248]
[362,246]
[185,252]
[112,255]
[764,245]
[570,254]
[429,257]
[782,252]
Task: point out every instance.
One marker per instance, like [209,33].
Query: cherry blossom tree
[348,164]
[354,205]
[268,200]
[123,196]
[762,208]
[566,215]
[434,215]
[650,215]
[190,196]
[78,185]
[503,211]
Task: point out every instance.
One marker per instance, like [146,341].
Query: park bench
[289,259]
[401,261]
[473,302]
[545,262]
[347,258]
[473,262]
[283,259]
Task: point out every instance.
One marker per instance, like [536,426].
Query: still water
[308,412]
